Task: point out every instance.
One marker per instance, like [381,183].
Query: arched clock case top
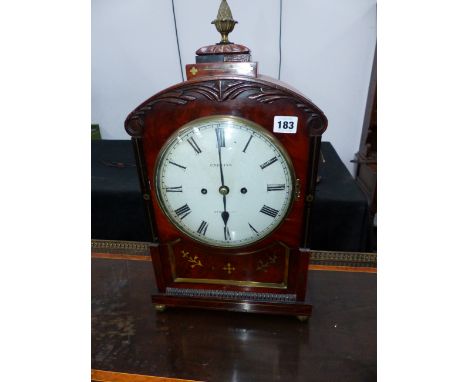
[274,266]
[228,89]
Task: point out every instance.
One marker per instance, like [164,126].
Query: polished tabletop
[338,343]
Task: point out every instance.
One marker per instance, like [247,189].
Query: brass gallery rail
[319,260]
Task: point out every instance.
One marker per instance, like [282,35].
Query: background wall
[327,53]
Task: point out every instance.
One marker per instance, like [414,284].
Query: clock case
[269,276]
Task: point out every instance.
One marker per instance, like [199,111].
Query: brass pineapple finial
[224,22]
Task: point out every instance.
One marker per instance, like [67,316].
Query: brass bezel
[229,118]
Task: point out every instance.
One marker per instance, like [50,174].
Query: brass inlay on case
[229,268]
[264,265]
[243,283]
[193,260]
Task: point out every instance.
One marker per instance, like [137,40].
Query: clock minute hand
[225,217]
[225,214]
[223,189]
[219,156]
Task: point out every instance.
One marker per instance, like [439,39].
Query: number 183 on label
[285,125]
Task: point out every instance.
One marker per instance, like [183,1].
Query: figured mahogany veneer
[273,267]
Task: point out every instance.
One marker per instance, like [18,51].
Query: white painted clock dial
[224,181]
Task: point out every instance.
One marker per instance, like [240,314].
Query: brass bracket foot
[160,307]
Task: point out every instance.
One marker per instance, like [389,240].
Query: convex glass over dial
[224,181]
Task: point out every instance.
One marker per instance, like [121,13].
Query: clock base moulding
[301,310]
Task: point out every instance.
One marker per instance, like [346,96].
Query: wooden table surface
[132,342]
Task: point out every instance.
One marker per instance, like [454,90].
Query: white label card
[285,125]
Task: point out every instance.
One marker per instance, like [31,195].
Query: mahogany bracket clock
[228,165]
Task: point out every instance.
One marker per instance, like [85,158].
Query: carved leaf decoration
[134,125]
[220,91]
